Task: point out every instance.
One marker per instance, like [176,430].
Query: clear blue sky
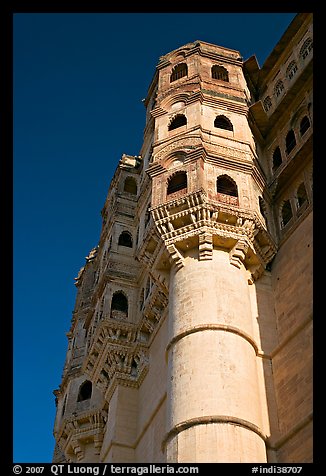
[79,79]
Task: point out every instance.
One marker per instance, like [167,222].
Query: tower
[205,202]
[174,349]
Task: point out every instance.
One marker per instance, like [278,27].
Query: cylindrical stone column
[213,393]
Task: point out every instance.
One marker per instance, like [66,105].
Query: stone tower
[176,349]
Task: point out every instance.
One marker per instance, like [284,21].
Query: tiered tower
[170,355]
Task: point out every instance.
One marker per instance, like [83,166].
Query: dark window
[304,125]
[178,72]
[177,182]
[223,122]
[286,212]
[125,239]
[279,87]
[306,48]
[277,158]
[267,103]
[119,303]
[226,186]
[178,121]
[85,391]
[292,69]
[130,185]
[290,141]
[219,72]
[301,194]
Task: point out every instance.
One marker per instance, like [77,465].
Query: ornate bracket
[238,253]
[175,256]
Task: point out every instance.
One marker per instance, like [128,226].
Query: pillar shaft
[213,390]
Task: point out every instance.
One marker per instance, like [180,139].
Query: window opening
[306,48]
[290,141]
[279,87]
[178,121]
[119,306]
[222,122]
[286,212]
[177,182]
[130,185]
[267,103]
[226,186]
[219,72]
[179,71]
[292,69]
[277,158]
[85,391]
[304,125]
[302,194]
[125,239]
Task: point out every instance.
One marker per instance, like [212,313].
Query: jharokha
[191,336]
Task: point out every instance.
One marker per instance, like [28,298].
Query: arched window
[301,195]
[178,121]
[267,103]
[125,239]
[219,72]
[277,158]
[306,48]
[279,87]
[177,182]
[226,185]
[222,122]
[304,125]
[286,212]
[290,141]
[291,69]
[179,71]
[130,186]
[119,306]
[85,391]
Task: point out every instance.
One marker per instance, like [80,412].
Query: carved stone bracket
[78,449]
[175,256]
[205,246]
[238,253]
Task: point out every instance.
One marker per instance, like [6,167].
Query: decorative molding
[215,419]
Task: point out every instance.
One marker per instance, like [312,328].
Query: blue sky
[78,84]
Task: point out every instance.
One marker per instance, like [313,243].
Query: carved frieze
[186,143]
[221,220]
